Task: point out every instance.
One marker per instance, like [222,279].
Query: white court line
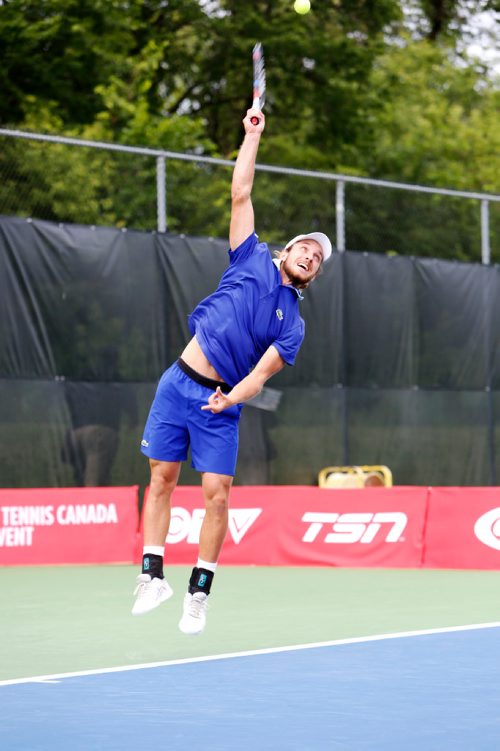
[54,678]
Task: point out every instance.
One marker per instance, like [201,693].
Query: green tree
[348,91]
[192,59]
[58,51]
[178,76]
[437,124]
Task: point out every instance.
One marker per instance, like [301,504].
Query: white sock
[207,565]
[154,550]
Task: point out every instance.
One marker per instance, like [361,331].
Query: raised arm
[242,217]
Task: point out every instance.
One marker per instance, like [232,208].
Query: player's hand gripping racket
[259,80]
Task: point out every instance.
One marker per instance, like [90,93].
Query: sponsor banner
[272,525]
[68,525]
[463,528]
[294,525]
[369,527]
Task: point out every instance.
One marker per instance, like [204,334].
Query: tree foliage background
[383,89]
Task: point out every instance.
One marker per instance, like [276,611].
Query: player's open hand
[217,402]
[254,127]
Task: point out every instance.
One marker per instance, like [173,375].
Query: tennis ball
[302,6]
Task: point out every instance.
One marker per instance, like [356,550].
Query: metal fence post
[485,232]
[161,194]
[340,213]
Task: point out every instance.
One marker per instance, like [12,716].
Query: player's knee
[163,477]
[217,504]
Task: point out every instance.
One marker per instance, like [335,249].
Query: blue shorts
[176,421]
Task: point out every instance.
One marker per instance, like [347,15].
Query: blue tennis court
[423,690]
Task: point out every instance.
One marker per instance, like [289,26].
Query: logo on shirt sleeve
[279,313]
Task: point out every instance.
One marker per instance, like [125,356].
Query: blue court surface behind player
[422,690]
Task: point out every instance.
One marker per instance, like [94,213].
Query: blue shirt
[250,310]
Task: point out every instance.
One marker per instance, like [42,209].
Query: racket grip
[254,120]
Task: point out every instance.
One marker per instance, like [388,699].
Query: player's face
[302,262]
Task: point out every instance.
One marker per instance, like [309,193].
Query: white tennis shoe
[150,593]
[194,616]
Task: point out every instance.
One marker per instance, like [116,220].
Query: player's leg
[164,476]
[152,588]
[214,449]
[165,443]
[213,530]
[216,489]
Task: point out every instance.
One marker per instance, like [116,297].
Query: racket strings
[259,76]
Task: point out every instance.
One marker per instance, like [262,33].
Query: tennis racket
[259,80]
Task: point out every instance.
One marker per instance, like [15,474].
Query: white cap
[320,238]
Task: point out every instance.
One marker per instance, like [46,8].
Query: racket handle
[256,105]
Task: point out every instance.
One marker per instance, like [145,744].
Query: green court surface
[63,619]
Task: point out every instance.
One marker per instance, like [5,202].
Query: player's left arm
[270,363]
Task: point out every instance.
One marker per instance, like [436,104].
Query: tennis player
[243,334]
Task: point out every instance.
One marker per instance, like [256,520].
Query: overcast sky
[486,45]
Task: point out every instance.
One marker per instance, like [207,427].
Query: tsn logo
[354,527]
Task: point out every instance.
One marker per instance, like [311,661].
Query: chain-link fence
[84,182]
